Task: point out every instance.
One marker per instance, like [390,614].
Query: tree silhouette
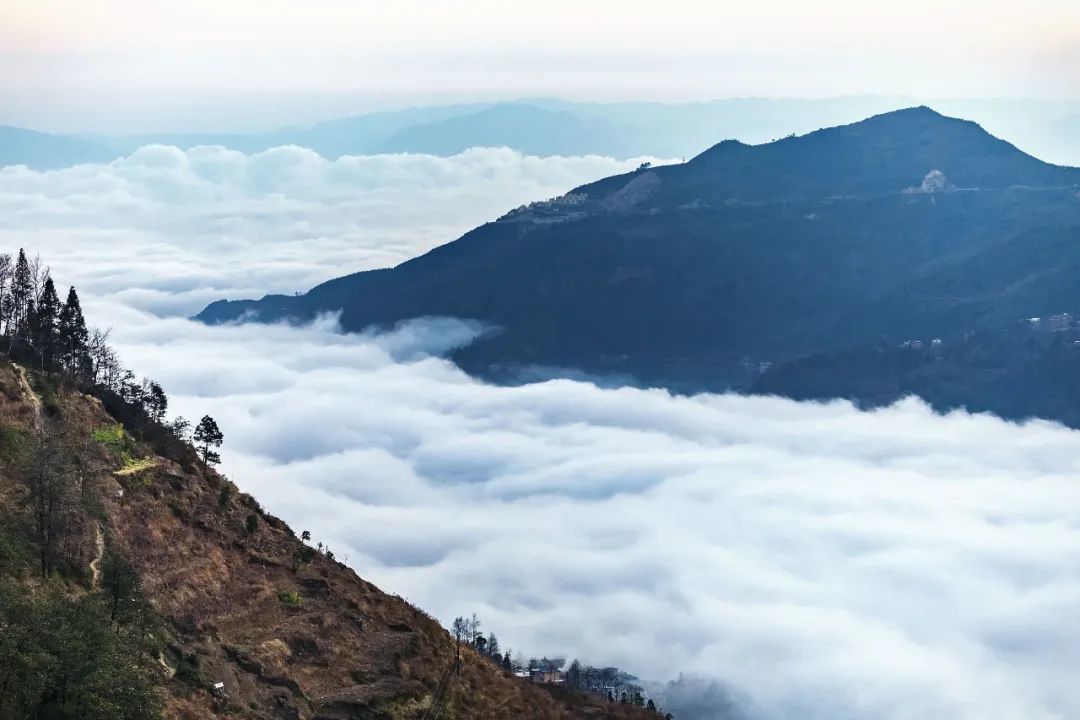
[47,325]
[73,335]
[156,401]
[22,292]
[573,675]
[208,436]
[461,629]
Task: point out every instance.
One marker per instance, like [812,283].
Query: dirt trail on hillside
[35,401]
[39,425]
[99,553]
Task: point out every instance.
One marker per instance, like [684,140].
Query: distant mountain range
[703,275]
[555,127]
[45,151]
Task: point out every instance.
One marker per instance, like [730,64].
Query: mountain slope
[45,151]
[357,135]
[545,127]
[1016,372]
[542,127]
[526,128]
[903,225]
[289,632]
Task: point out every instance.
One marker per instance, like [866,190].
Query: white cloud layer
[821,561]
[169,230]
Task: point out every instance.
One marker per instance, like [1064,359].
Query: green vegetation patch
[134,466]
[189,672]
[290,598]
[111,436]
[45,386]
[13,442]
[406,708]
[64,657]
[15,554]
[118,442]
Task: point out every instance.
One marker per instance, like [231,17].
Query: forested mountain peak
[905,225]
[887,153]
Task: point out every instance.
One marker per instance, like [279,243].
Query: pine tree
[30,324]
[46,325]
[73,335]
[22,292]
[156,401]
[573,675]
[208,435]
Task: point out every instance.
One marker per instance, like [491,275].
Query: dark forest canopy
[52,336]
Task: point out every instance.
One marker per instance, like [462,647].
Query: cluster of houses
[920,345]
[1054,323]
[544,677]
[1059,323]
[754,367]
[564,208]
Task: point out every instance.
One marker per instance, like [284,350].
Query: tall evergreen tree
[22,292]
[573,676]
[208,436]
[73,334]
[30,323]
[46,325]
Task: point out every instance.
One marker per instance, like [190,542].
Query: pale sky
[137,63]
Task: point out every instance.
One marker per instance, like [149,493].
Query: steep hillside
[904,225]
[1017,372]
[287,631]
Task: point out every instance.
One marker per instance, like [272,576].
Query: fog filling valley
[818,561]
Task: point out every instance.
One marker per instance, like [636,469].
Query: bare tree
[6,268]
[474,629]
[54,481]
[461,629]
[103,362]
[38,272]
[180,427]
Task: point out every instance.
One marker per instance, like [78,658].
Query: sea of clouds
[810,561]
[168,231]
